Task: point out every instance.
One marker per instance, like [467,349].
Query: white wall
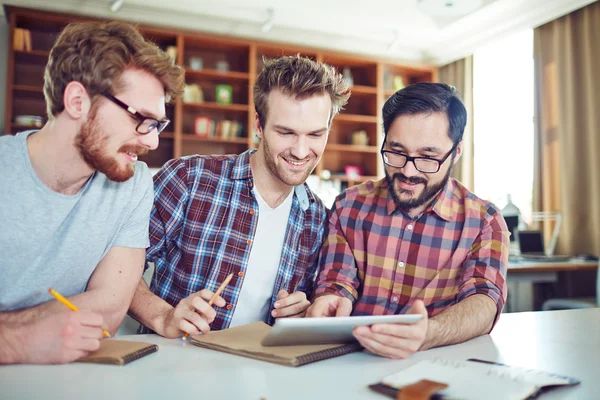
[3,63]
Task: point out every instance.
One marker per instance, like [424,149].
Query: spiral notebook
[246,341]
[119,352]
[473,380]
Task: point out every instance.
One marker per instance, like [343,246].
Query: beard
[428,193]
[92,143]
[289,179]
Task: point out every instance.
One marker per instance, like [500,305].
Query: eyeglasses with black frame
[146,124]
[427,165]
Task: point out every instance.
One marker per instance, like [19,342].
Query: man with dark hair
[75,200]
[417,241]
[250,214]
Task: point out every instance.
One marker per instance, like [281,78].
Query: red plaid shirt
[382,260]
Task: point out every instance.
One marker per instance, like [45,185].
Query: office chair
[568,304]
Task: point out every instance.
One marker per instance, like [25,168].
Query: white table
[522,275]
[564,342]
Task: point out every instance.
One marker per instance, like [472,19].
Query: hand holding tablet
[324,330]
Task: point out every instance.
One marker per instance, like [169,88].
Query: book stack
[224,129]
[22,39]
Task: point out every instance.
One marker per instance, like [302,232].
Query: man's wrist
[159,322]
[9,344]
[429,341]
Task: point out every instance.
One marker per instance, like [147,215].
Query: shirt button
[395,299]
[251,212]
[401,264]
[409,227]
[251,184]
[240,274]
[229,306]
[249,241]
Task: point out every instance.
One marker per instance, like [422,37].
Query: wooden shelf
[351,147]
[36,53]
[26,88]
[244,57]
[355,118]
[215,74]
[357,89]
[217,106]
[21,128]
[193,138]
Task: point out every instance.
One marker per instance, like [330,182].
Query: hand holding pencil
[70,305]
[192,314]
[214,297]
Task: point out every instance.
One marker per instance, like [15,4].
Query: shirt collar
[443,205]
[241,170]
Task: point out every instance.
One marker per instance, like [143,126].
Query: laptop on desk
[531,244]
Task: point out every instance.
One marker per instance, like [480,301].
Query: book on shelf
[202,126]
[22,39]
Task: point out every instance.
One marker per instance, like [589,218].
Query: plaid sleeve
[168,212]
[484,270]
[338,272]
[308,282]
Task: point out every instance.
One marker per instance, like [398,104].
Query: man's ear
[76,100]
[257,126]
[459,149]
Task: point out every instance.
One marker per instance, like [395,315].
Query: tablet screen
[299,331]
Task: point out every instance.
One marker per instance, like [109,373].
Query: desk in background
[523,274]
[564,342]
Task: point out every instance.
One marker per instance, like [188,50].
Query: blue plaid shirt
[202,227]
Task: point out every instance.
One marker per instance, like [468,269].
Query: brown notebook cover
[246,341]
[119,352]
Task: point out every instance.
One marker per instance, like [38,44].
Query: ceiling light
[448,8]
[115,5]
[268,24]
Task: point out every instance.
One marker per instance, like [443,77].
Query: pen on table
[214,296]
[70,305]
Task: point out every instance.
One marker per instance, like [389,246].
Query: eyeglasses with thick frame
[146,124]
[426,165]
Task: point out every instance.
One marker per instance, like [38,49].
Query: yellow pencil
[214,296]
[70,305]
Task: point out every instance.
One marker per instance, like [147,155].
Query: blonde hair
[300,78]
[96,54]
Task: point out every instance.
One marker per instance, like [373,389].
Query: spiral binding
[139,354]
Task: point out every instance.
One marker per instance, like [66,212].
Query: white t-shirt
[263,262]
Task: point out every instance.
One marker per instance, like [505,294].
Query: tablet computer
[298,331]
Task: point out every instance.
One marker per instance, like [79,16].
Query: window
[503,101]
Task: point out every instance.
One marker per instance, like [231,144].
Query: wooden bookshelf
[191,137]
[217,106]
[223,61]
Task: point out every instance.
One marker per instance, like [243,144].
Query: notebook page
[538,378]
[465,381]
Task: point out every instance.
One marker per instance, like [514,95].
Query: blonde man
[251,215]
[75,200]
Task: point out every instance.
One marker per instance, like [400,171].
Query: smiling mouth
[296,163]
[132,156]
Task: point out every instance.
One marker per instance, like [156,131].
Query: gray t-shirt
[48,239]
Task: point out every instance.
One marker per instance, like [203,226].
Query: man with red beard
[417,241]
[75,200]
[251,214]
